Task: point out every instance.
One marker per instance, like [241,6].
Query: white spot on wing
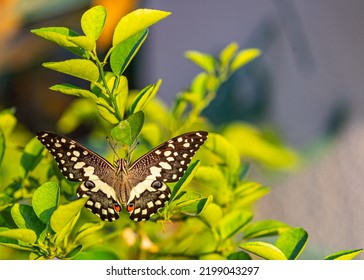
[186,145]
[165,165]
[79,165]
[76,153]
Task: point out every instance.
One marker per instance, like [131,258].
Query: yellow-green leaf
[263,249]
[93,21]
[45,200]
[64,214]
[135,22]
[80,68]
[243,57]
[20,234]
[228,53]
[205,61]
[344,255]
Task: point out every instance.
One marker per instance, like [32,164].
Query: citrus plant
[210,212]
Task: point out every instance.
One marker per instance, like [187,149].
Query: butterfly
[141,187]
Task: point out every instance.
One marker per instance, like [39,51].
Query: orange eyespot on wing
[130,207]
[117,207]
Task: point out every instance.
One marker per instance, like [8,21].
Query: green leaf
[83,42]
[197,206]
[74,90]
[227,152]
[99,253]
[249,192]
[199,85]
[265,228]
[25,217]
[292,242]
[2,146]
[192,203]
[232,222]
[228,53]
[144,97]
[124,52]
[263,249]
[7,121]
[64,214]
[106,112]
[344,255]
[80,111]
[212,214]
[87,229]
[243,57]
[73,253]
[93,21]
[251,143]
[121,94]
[80,68]
[21,234]
[31,156]
[45,200]
[213,256]
[128,130]
[239,256]
[212,176]
[61,237]
[60,36]
[185,179]
[205,61]
[135,22]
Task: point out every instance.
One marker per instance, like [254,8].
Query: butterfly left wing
[77,163]
[165,163]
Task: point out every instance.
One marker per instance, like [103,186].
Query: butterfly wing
[169,161]
[165,163]
[77,163]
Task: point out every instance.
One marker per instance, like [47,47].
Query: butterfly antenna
[131,151]
[116,156]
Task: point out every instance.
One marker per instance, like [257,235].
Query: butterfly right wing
[165,163]
[77,163]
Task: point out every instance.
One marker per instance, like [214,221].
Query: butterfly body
[141,187]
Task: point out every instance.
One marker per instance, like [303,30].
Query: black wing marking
[147,198]
[169,161]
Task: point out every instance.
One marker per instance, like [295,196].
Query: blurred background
[307,86]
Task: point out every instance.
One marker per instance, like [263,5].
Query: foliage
[209,215]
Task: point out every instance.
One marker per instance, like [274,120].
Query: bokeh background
[307,86]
